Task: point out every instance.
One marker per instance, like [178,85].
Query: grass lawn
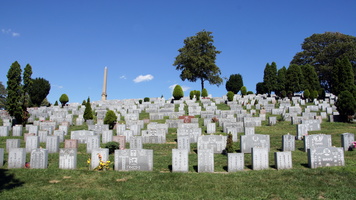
[300,182]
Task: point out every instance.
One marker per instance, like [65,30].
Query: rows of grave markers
[235,121]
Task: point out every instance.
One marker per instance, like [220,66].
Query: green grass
[300,182]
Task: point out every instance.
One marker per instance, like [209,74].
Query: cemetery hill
[290,140]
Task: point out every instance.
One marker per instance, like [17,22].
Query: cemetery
[178,149]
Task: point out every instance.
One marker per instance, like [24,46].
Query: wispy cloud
[10,32]
[142,78]
[123,77]
[184,88]
[58,86]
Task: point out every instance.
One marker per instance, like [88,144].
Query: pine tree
[14,92]
[270,77]
[88,113]
[229,144]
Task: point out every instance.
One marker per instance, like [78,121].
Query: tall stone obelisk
[103,94]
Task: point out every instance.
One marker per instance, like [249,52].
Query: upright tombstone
[317,140]
[120,128]
[33,129]
[16,158]
[121,140]
[17,130]
[134,160]
[249,130]
[136,142]
[70,144]
[288,143]
[68,158]
[234,132]
[60,134]
[12,143]
[4,131]
[93,142]
[81,135]
[235,162]
[180,160]
[211,128]
[153,136]
[205,160]
[39,159]
[283,160]
[302,131]
[95,159]
[215,142]
[272,121]
[256,140]
[2,157]
[43,135]
[52,144]
[260,158]
[183,142]
[32,142]
[107,136]
[346,140]
[326,157]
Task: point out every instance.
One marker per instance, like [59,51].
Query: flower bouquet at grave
[352,146]
[103,165]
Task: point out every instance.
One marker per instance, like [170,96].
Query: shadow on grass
[170,168]
[8,180]
[305,165]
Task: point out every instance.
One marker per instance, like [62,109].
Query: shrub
[178,92]
[112,146]
[204,93]
[56,103]
[306,94]
[146,99]
[197,95]
[191,94]
[229,143]
[249,92]
[88,112]
[283,94]
[140,101]
[63,99]
[243,90]
[84,103]
[313,95]
[230,96]
[110,118]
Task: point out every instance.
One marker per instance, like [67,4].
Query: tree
[294,79]
[234,83]
[55,103]
[110,118]
[243,90]
[63,99]
[3,95]
[178,92]
[310,78]
[281,81]
[270,77]
[39,90]
[88,112]
[306,94]
[346,104]
[230,96]
[229,144]
[197,58]
[322,50]
[14,92]
[45,103]
[260,88]
[197,95]
[191,94]
[342,77]
[27,83]
[204,93]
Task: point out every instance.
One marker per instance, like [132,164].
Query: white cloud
[15,34]
[9,31]
[184,88]
[142,78]
[123,77]
[58,86]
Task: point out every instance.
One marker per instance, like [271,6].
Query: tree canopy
[322,50]
[342,77]
[63,99]
[3,95]
[270,77]
[310,78]
[234,83]
[39,90]
[196,59]
[294,79]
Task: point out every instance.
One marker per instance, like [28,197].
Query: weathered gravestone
[260,158]
[317,140]
[16,158]
[32,142]
[288,143]
[283,160]
[180,160]
[93,142]
[134,160]
[96,154]
[256,140]
[4,131]
[39,159]
[71,143]
[17,130]
[183,142]
[60,134]
[235,162]
[346,140]
[205,160]
[121,140]
[12,143]
[326,157]
[136,142]
[68,158]
[215,142]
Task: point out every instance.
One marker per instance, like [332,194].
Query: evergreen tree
[229,144]
[342,77]
[310,78]
[27,84]
[270,77]
[234,83]
[230,96]
[88,113]
[63,99]
[110,119]
[56,103]
[306,94]
[260,88]
[346,104]
[178,92]
[204,93]
[243,90]
[3,95]
[14,92]
[191,94]
[294,79]
[281,81]
[39,90]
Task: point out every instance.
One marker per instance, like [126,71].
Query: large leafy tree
[294,79]
[342,77]
[270,77]
[39,90]
[310,78]
[14,92]
[197,58]
[3,94]
[322,50]
[234,83]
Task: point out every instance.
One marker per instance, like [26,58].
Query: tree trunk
[202,84]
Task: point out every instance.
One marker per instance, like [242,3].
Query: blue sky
[70,42]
